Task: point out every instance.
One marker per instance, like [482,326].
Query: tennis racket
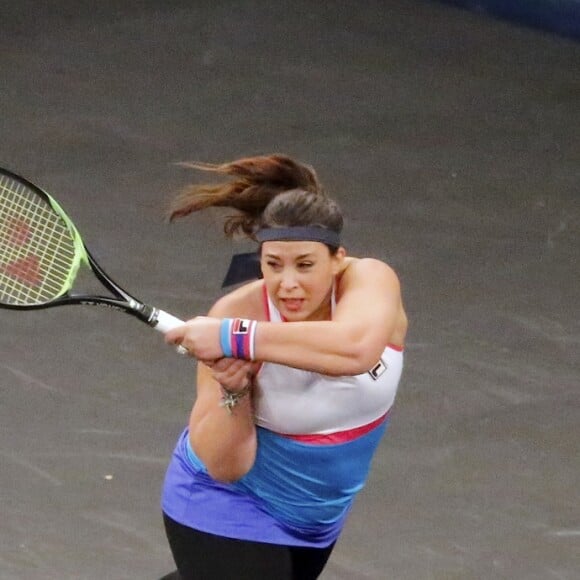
[41,253]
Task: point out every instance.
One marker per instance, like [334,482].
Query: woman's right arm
[224,441]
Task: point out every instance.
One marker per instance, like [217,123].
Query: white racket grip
[166,321]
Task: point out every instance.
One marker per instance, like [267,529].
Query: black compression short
[202,556]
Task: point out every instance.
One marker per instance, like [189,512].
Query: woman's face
[299,277]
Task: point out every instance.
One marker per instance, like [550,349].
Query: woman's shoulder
[371,269]
[245,301]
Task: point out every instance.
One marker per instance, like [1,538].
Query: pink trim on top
[339,436]
[266,302]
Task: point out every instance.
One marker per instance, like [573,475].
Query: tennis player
[296,382]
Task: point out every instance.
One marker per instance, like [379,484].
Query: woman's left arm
[367,313]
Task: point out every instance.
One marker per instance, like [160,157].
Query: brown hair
[266,191]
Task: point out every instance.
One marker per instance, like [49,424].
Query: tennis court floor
[450,140]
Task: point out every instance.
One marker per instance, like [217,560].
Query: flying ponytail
[254,183]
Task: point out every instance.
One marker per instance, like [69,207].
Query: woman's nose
[288,279]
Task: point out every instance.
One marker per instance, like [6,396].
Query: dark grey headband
[299,233]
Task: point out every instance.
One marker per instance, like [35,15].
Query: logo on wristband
[241,326]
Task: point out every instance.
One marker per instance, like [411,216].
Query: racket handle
[163,321]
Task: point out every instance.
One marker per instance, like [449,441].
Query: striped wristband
[237,338]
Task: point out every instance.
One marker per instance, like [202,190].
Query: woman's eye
[305,265]
[273,265]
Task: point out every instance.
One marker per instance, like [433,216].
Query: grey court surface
[450,139]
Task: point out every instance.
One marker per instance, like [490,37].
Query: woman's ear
[338,259]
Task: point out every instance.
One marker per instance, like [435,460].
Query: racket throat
[143,312]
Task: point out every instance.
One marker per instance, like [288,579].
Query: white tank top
[297,402]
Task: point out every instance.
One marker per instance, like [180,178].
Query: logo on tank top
[378,369]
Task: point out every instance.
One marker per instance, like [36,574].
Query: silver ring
[182,350]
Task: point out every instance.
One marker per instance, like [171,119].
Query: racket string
[37,248]
[40,246]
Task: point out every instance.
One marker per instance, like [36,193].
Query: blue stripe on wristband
[225,342]
[238,345]
[239,330]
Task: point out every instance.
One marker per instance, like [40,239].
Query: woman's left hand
[200,336]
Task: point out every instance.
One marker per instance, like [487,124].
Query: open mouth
[292,304]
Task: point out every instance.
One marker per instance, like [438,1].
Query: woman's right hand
[233,374]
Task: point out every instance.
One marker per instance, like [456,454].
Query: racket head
[40,248]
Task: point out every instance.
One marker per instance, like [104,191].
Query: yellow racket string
[40,249]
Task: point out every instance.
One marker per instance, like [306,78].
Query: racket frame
[121,299]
